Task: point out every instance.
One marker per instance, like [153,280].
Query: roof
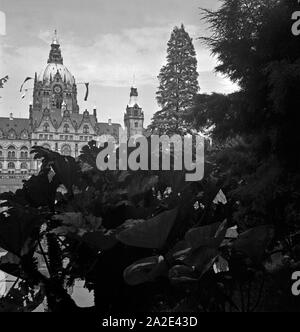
[57,118]
[16,124]
[105,128]
[51,69]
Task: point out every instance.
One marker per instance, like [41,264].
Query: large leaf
[139,185]
[75,223]
[254,242]
[10,263]
[182,273]
[100,240]
[16,227]
[210,235]
[66,169]
[180,251]
[151,233]
[145,270]
[202,259]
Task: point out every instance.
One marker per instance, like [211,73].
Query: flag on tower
[26,79]
[3,80]
[87,91]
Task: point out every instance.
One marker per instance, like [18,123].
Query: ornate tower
[134,116]
[55,85]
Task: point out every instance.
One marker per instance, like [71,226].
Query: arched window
[86,129]
[47,146]
[11,165]
[136,124]
[24,134]
[66,150]
[46,127]
[0,166]
[24,152]
[11,154]
[12,134]
[58,102]
[24,166]
[66,128]
[1,152]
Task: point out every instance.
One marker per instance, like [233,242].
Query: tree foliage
[178,84]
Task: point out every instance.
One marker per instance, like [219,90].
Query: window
[11,166]
[24,166]
[58,103]
[12,134]
[1,152]
[41,136]
[66,150]
[11,154]
[47,146]
[66,128]
[86,129]
[136,124]
[24,152]
[46,128]
[24,134]
[0,166]
[81,138]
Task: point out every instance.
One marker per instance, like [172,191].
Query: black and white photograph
[149,159]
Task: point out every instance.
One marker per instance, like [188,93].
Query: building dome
[51,70]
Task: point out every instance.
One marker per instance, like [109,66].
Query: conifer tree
[178,85]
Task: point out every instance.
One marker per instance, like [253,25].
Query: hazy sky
[104,42]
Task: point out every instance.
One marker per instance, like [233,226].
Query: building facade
[54,122]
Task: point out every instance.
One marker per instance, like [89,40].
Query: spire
[55,39]
[133,81]
[55,52]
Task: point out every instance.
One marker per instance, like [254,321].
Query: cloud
[108,60]
[113,58]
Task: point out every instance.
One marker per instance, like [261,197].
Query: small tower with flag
[134,115]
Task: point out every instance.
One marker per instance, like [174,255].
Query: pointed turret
[134,116]
[55,52]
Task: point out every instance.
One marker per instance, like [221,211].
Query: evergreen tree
[178,85]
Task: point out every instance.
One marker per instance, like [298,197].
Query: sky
[110,43]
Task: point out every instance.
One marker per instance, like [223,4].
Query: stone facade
[54,122]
